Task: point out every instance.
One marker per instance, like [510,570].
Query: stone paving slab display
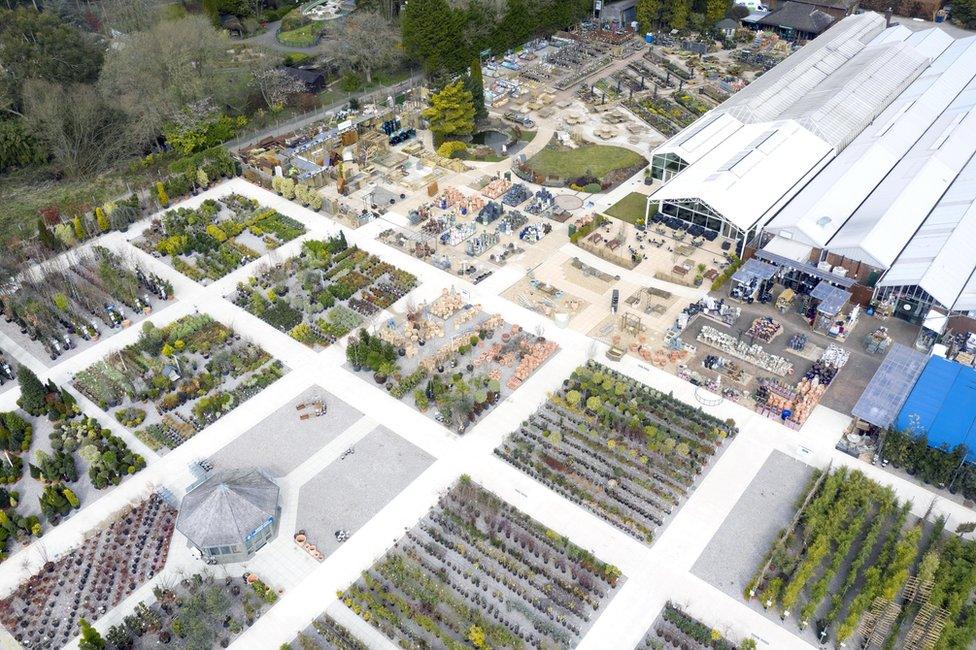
[764,509]
[283,441]
[350,491]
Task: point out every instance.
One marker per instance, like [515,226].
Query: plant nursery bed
[325,633]
[325,292]
[212,240]
[178,379]
[200,611]
[91,579]
[54,463]
[675,628]
[289,436]
[450,359]
[66,309]
[355,487]
[857,569]
[19,493]
[477,570]
[621,449]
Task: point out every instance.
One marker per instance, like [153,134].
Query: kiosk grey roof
[227,506]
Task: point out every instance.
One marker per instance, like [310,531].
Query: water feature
[494,139]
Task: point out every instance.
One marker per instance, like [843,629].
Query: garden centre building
[230,515]
[852,159]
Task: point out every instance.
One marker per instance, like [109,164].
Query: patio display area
[212,240]
[451,356]
[476,569]
[177,379]
[352,489]
[324,293]
[621,449]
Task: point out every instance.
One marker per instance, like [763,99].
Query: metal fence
[280,127]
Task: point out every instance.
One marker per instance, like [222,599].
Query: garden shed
[231,514]
[941,406]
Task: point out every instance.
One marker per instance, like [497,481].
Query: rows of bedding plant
[623,450]
[450,358]
[861,570]
[675,628]
[46,609]
[200,611]
[67,304]
[176,380]
[478,572]
[325,633]
[208,242]
[325,292]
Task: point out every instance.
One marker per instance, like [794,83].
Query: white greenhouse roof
[941,257]
[749,157]
[790,248]
[752,173]
[888,218]
[822,207]
[776,91]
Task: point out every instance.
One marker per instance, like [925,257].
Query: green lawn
[304,36]
[596,159]
[630,208]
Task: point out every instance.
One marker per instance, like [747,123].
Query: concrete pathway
[653,574]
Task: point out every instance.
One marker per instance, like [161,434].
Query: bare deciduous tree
[81,130]
[277,87]
[366,41]
[153,75]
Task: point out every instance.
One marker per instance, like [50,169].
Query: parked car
[511,116]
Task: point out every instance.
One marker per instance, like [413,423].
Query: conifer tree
[33,394]
[476,85]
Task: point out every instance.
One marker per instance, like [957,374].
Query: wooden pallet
[926,628]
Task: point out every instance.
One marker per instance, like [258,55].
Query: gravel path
[347,493]
[282,441]
[763,510]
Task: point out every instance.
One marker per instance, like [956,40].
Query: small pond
[494,139]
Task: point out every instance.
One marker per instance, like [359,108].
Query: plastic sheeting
[888,389]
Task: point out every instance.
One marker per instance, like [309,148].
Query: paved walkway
[653,574]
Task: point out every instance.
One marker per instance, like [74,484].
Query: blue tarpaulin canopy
[943,406]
